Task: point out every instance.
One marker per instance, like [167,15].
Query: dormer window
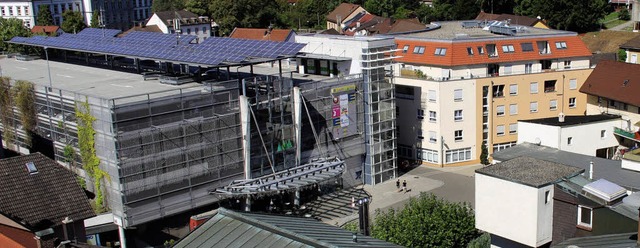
[543,47]
[470,50]
[527,47]
[418,50]
[508,49]
[491,50]
[440,51]
[405,49]
[480,50]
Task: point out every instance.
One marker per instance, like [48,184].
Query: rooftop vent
[31,167]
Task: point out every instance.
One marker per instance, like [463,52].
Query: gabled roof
[614,80]
[343,10]
[235,229]
[406,25]
[186,17]
[262,34]
[149,28]
[530,171]
[602,168]
[331,31]
[45,29]
[486,16]
[457,54]
[44,199]
[633,43]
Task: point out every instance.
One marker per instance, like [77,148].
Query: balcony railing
[625,133]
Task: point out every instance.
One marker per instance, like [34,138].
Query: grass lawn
[610,17]
[613,23]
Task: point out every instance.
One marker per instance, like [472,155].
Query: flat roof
[573,120]
[453,30]
[84,80]
[530,171]
[602,167]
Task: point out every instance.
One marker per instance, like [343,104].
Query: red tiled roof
[343,10]
[486,16]
[261,34]
[457,51]
[407,25]
[44,29]
[608,80]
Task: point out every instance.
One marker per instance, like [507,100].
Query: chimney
[357,24]
[339,23]
[561,117]
[591,170]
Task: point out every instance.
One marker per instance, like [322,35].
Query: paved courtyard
[454,184]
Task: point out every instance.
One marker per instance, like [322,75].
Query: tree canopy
[427,221]
[73,22]
[574,15]
[44,17]
[164,5]
[10,28]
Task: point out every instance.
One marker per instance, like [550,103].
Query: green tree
[484,241]
[165,5]
[426,221]
[73,22]
[574,15]
[25,99]
[624,15]
[198,7]
[484,154]
[245,13]
[523,8]
[10,28]
[622,55]
[44,17]
[95,20]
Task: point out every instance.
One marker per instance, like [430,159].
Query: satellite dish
[537,141]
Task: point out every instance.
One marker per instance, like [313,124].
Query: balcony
[626,134]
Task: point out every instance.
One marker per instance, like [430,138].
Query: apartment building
[188,23]
[20,9]
[463,83]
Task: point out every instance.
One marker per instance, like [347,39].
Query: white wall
[585,138]
[531,132]
[155,20]
[513,211]
[25,13]
[631,165]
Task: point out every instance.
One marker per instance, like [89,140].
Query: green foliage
[87,148]
[484,154]
[69,154]
[169,243]
[73,22]
[484,241]
[9,28]
[622,55]
[44,17]
[25,101]
[497,6]
[6,109]
[245,13]
[95,20]
[575,15]
[427,221]
[419,73]
[351,226]
[198,7]
[523,8]
[624,15]
[82,182]
[165,5]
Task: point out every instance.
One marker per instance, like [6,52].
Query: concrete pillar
[245,123]
[297,121]
[123,239]
[296,198]
[136,62]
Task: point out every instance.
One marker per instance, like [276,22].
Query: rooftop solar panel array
[165,47]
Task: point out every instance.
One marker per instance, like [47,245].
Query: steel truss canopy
[318,171]
[213,51]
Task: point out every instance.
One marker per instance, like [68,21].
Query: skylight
[31,168]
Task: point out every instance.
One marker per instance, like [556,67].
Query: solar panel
[158,46]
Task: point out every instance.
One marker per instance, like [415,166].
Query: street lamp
[46,54]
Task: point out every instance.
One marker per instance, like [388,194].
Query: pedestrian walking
[398,184]
[404,185]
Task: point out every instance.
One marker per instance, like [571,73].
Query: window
[418,50]
[432,116]
[553,104]
[457,135]
[491,50]
[533,107]
[561,45]
[502,146]
[572,102]
[513,89]
[612,103]
[440,52]
[513,128]
[567,64]
[457,95]
[420,114]
[534,88]
[188,31]
[585,216]
[405,151]
[500,130]
[603,134]
[405,49]
[625,106]
[432,137]
[526,47]
[458,155]
[549,86]
[10,10]
[428,155]
[547,197]
[498,90]
[2,9]
[569,140]
[432,95]
[419,134]
[528,68]
[470,50]
[457,115]
[573,84]
[480,50]
[500,110]
[508,49]
[513,109]
[543,47]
